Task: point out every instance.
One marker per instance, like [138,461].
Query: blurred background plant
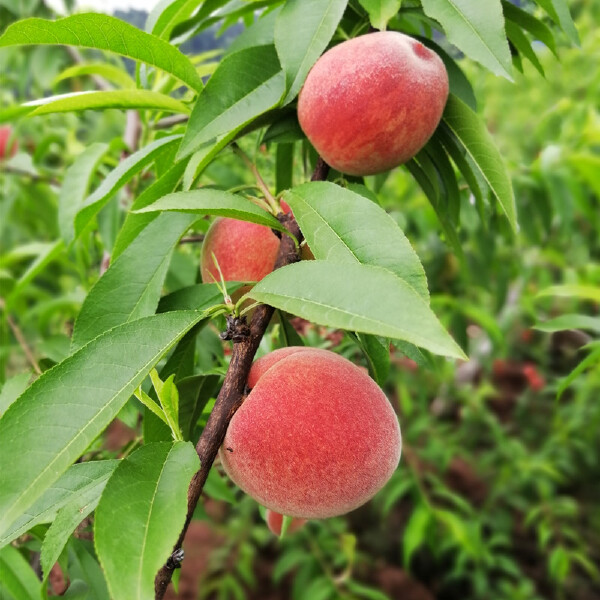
[497,492]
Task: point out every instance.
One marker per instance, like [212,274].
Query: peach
[245,251]
[315,437]
[371,103]
[275,522]
[5,151]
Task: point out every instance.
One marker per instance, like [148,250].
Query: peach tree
[314,110]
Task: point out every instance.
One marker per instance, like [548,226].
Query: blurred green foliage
[497,492]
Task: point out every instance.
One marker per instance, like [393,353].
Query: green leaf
[152,405]
[140,515]
[110,72]
[76,183]
[591,360]
[66,521]
[195,297]
[522,44]
[288,335]
[125,99]
[135,223]
[260,33]
[381,11]
[131,287]
[72,484]
[527,21]
[344,227]
[426,176]
[362,591]
[194,393]
[12,389]
[168,397]
[456,151]
[18,580]
[12,113]
[84,569]
[70,405]
[572,290]
[321,588]
[377,353]
[245,85]
[450,196]
[415,533]
[284,167]
[587,166]
[302,31]
[104,33]
[119,176]
[480,147]
[569,322]
[167,14]
[214,202]
[341,296]
[475,28]
[216,487]
[559,564]
[559,12]
[48,253]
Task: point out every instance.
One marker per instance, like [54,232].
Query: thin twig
[264,188]
[169,122]
[100,82]
[21,339]
[10,170]
[192,239]
[321,171]
[232,393]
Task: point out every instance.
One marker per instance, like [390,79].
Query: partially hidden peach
[371,103]
[316,437]
[245,251]
[5,150]
[275,523]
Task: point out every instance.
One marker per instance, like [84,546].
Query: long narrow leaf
[480,147]
[313,23]
[57,418]
[119,177]
[140,516]
[342,226]
[342,296]
[214,202]
[131,287]
[104,33]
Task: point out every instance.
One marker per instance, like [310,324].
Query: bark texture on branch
[231,395]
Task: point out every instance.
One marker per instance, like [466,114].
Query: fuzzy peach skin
[275,522]
[244,251]
[316,437]
[372,102]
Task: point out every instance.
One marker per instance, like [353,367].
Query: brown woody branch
[245,343]
[231,395]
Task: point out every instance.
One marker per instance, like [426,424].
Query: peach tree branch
[246,341]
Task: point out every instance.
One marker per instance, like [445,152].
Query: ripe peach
[316,437]
[275,522]
[245,251]
[372,102]
[5,151]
